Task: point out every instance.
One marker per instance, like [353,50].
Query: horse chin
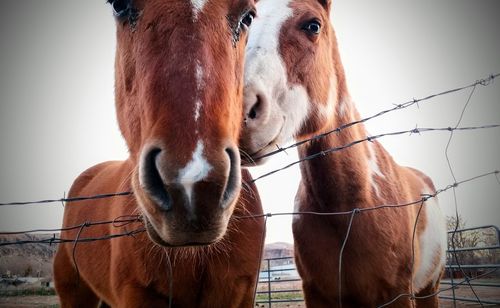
[177,225]
[192,239]
[258,152]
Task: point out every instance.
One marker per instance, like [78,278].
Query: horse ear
[326,4]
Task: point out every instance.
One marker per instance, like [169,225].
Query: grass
[279,296]
[42,291]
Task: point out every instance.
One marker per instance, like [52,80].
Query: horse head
[294,79]
[179,82]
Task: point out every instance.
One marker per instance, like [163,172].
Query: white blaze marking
[198,7]
[196,170]
[198,75]
[266,27]
[197,110]
[199,85]
[264,64]
[432,242]
[265,70]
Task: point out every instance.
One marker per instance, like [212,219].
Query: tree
[460,240]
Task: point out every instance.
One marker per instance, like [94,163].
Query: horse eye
[247,19]
[120,7]
[312,27]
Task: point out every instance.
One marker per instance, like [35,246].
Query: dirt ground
[52,302]
[484,293]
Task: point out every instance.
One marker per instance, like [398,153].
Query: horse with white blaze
[295,87]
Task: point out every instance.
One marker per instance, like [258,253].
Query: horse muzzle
[189,205]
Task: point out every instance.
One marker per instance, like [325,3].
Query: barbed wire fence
[122,221]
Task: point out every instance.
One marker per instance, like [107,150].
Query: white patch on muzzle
[194,171]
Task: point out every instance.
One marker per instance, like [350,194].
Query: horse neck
[342,179]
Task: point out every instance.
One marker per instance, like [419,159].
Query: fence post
[269,282]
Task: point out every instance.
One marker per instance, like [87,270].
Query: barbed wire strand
[484,82]
[59,240]
[370,139]
[73,199]
[119,220]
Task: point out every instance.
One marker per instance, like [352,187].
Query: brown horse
[295,87]
[179,85]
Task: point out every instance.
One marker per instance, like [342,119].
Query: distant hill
[27,259]
[278,250]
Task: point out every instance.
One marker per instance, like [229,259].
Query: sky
[57,114]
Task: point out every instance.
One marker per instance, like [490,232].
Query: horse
[178,96]
[295,87]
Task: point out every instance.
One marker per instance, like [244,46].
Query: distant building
[47,283]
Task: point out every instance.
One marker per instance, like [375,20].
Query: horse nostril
[232,181]
[153,183]
[255,108]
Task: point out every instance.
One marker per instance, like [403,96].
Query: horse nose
[256,107]
[195,181]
